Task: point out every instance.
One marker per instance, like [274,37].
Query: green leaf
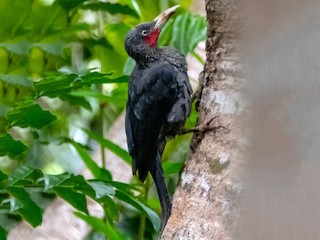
[60,84]
[188,30]
[51,181]
[107,58]
[115,32]
[3,234]
[19,80]
[72,189]
[147,9]
[75,199]
[184,32]
[166,33]
[11,147]
[2,176]
[103,193]
[91,42]
[4,108]
[54,48]
[96,171]
[82,185]
[110,207]
[55,84]
[101,189]
[153,217]
[24,175]
[69,4]
[15,205]
[29,114]
[76,100]
[100,226]
[120,152]
[68,181]
[171,167]
[179,27]
[124,187]
[129,66]
[98,78]
[21,48]
[116,99]
[76,27]
[113,8]
[24,206]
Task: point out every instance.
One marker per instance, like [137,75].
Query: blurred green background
[63,85]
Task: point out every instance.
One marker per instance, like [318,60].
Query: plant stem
[106,218]
[103,153]
[142,227]
[102,105]
[143,218]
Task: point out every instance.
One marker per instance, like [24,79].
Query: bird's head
[142,40]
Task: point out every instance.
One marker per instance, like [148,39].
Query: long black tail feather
[158,177]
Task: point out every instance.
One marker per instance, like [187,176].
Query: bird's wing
[129,130]
[151,96]
[182,107]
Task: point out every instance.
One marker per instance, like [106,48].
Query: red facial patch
[152,38]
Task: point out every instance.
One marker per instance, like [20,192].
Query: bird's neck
[145,58]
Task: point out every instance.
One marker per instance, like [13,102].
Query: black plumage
[159,102]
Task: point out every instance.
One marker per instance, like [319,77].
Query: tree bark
[205,203]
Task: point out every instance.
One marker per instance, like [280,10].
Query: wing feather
[151,96]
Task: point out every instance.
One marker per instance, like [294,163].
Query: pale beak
[164,17]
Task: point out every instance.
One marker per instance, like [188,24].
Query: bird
[159,102]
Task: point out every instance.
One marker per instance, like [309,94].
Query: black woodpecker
[159,102]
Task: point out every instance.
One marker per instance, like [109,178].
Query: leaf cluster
[17,197]
[63,72]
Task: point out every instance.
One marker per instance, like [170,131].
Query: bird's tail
[158,177]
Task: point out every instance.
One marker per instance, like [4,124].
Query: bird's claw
[203,128]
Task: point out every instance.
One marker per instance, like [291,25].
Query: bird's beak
[164,17]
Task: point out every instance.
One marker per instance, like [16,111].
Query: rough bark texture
[204,204]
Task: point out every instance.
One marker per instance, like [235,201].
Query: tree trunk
[204,204]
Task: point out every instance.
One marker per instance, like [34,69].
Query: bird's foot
[203,128]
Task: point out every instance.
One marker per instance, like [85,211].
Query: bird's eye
[144,33]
